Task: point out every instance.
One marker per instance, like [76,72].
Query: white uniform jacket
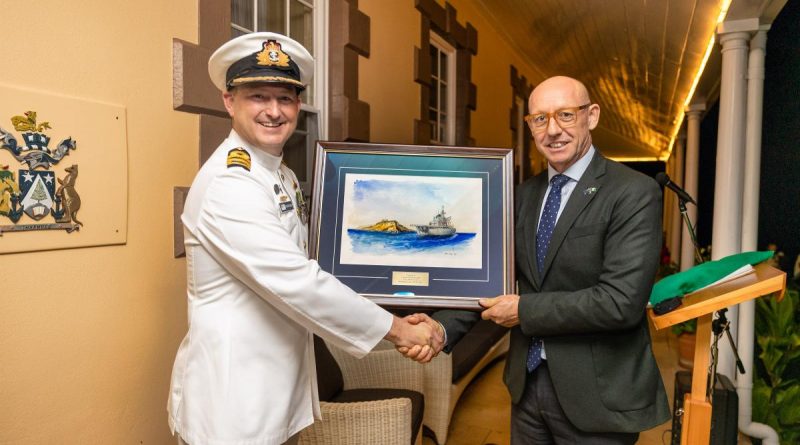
[245,373]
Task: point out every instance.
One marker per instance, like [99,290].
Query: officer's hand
[419,352]
[405,334]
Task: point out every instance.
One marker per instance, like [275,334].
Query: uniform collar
[268,161]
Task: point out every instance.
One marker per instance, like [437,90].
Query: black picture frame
[411,253]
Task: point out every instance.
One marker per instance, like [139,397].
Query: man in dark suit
[588,233]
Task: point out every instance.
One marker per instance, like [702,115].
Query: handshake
[420,338]
[417,336]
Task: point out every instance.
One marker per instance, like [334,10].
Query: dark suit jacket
[589,302]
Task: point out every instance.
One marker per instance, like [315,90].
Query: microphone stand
[682,208]
[720,324]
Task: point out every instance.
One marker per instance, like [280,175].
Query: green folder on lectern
[702,275]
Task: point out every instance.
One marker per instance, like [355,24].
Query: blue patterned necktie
[546,225]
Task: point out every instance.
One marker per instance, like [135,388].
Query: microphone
[663,180]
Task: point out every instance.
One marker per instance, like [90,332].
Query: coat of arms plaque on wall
[35,198]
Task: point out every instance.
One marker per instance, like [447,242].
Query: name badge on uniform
[286,206]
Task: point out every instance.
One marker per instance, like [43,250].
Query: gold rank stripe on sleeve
[239,157]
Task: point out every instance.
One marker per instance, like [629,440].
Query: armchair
[445,377]
[382,404]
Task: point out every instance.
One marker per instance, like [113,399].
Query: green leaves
[776,395]
[777,353]
[788,404]
[774,318]
[762,400]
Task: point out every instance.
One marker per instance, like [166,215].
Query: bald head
[566,87]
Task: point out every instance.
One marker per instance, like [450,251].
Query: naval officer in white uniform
[245,373]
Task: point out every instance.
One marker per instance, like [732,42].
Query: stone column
[728,189]
[752,160]
[675,216]
[694,112]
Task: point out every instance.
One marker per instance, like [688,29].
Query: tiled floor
[483,412]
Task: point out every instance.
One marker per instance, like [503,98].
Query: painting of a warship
[390,236]
[407,220]
[440,226]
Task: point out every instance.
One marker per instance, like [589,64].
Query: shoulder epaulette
[239,157]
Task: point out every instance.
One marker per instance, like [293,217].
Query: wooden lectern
[702,304]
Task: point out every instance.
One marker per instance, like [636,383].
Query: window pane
[236,33]
[433,131]
[433,115]
[272,16]
[301,25]
[443,66]
[440,93]
[307,96]
[434,64]
[242,13]
[294,154]
[302,122]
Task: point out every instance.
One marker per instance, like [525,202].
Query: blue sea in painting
[366,241]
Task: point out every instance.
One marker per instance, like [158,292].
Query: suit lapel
[586,189]
[531,224]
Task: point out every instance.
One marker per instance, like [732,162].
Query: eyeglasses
[566,117]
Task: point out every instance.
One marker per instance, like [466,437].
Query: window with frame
[302,20]
[441,106]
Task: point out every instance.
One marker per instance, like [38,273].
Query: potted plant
[776,386]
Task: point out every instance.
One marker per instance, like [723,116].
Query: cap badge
[239,157]
[272,55]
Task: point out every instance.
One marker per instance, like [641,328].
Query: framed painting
[415,226]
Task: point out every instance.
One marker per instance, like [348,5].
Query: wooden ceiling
[639,58]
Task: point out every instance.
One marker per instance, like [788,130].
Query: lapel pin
[589,191]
